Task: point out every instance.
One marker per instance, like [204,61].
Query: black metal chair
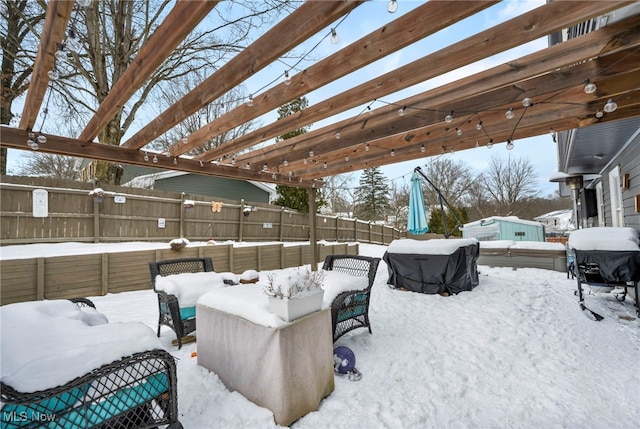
[82,302]
[350,310]
[182,322]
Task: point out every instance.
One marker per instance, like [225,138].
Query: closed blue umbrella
[418,223]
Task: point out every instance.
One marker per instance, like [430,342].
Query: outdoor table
[285,367]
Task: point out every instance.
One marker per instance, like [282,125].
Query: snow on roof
[495,219]
[605,238]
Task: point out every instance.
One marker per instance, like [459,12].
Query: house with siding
[606,155]
[198,184]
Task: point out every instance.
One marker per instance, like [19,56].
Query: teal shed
[504,228]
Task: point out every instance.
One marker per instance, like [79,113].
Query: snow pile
[49,343]
[605,238]
[188,287]
[336,282]
[440,246]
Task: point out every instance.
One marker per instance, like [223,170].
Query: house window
[617,212]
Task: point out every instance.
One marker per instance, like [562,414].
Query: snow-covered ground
[516,352]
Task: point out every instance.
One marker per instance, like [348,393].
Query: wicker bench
[181,321]
[350,310]
[136,391]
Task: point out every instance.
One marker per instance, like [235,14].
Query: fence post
[355,229]
[105,274]
[241,223]
[96,222]
[281,223]
[40,279]
[182,209]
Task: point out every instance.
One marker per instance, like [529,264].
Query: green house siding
[217,187]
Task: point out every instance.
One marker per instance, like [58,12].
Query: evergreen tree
[372,196]
[453,227]
[290,196]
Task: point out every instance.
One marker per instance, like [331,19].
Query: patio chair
[350,309]
[181,320]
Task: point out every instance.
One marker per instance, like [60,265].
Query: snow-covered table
[285,367]
[433,266]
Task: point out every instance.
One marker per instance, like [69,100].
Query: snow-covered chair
[181,319]
[350,308]
[65,366]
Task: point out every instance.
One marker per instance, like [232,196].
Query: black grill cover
[435,273]
[614,266]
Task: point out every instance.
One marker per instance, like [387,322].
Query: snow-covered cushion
[48,343]
[188,287]
[336,282]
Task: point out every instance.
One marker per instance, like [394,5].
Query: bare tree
[19,34]
[451,177]
[336,193]
[49,165]
[111,33]
[399,204]
[509,184]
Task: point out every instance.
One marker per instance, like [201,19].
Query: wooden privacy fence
[62,277]
[39,210]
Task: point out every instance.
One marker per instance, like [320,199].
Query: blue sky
[541,150]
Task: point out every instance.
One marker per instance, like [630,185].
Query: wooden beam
[14,138]
[53,33]
[534,24]
[445,98]
[182,19]
[301,24]
[421,22]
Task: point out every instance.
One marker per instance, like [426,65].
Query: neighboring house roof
[558,220]
[147,181]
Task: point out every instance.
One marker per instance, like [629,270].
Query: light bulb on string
[393,152]
[61,55]
[611,106]
[324,165]
[401,111]
[392,6]
[311,153]
[334,36]
[422,148]
[287,79]
[477,143]
[458,131]
[599,114]
[449,118]
[155,159]
[285,162]
[73,43]
[145,157]
[527,102]
[250,100]
[509,114]
[490,144]
[53,74]
[589,87]
[479,126]
[42,139]
[337,135]
[175,161]
[509,144]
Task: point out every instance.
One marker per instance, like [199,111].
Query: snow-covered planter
[178,244]
[295,293]
[97,194]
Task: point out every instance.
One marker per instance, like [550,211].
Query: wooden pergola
[552,80]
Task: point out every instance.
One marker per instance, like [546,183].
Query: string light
[510,114]
[324,165]
[449,117]
[155,159]
[401,111]
[185,140]
[334,36]
[589,87]
[509,144]
[145,157]
[285,162]
[392,6]
[422,148]
[311,153]
[337,135]
[264,167]
[287,79]
[599,114]
[366,147]
[53,73]
[458,131]
[526,102]
[175,161]
[346,158]
[42,139]
[479,126]
[611,106]
[393,152]
[490,144]
[250,100]
[233,161]
[477,143]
